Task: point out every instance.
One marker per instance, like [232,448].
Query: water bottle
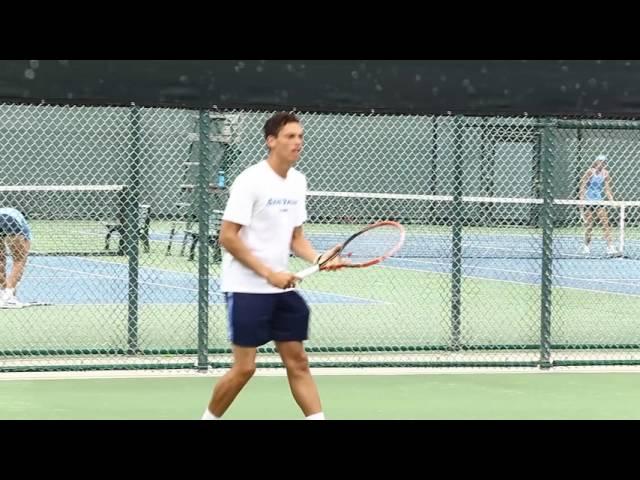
[221,178]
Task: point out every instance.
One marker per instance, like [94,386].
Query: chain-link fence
[511,257]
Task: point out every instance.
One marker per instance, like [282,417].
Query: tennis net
[492,227]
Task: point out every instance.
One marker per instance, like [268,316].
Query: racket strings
[374,243]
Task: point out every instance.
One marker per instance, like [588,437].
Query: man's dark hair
[277,121]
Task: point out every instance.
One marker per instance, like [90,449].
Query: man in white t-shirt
[261,225]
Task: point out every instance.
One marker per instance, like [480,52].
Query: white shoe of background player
[8,299]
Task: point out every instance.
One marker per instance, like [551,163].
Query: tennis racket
[365,248]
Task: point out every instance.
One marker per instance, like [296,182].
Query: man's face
[288,144]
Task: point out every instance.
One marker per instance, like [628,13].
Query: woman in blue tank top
[595,186]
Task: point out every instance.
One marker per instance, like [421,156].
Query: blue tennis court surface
[79,280]
[517,259]
[76,280]
[483,245]
[607,275]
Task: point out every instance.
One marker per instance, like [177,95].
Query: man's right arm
[232,243]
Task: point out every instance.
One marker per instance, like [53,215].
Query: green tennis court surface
[403,305]
[611,395]
[406,302]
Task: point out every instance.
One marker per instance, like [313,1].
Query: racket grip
[307,271]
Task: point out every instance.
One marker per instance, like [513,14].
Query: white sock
[209,416]
[316,416]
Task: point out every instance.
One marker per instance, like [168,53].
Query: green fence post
[456,235]
[547,161]
[131,231]
[203,209]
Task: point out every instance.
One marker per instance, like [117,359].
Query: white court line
[194,304]
[110,277]
[49,277]
[305,289]
[63,188]
[418,270]
[116,236]
[596,280]
[95,260]
[611,279]
[447,237]
[49,305]
[474,199]
[422,262]
[362,301]
[513,281]
[276,372]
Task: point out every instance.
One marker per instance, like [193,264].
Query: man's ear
[271,140]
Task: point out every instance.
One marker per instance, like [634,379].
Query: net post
[203,208]
[456,235]
[131,231]
[622,219]
[433,164]
[546,218]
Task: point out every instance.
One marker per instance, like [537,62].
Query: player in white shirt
[262,225]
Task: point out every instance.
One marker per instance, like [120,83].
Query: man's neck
[281,168]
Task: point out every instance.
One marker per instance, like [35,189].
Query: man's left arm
[301,247]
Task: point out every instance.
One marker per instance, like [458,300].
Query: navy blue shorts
[257,318]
